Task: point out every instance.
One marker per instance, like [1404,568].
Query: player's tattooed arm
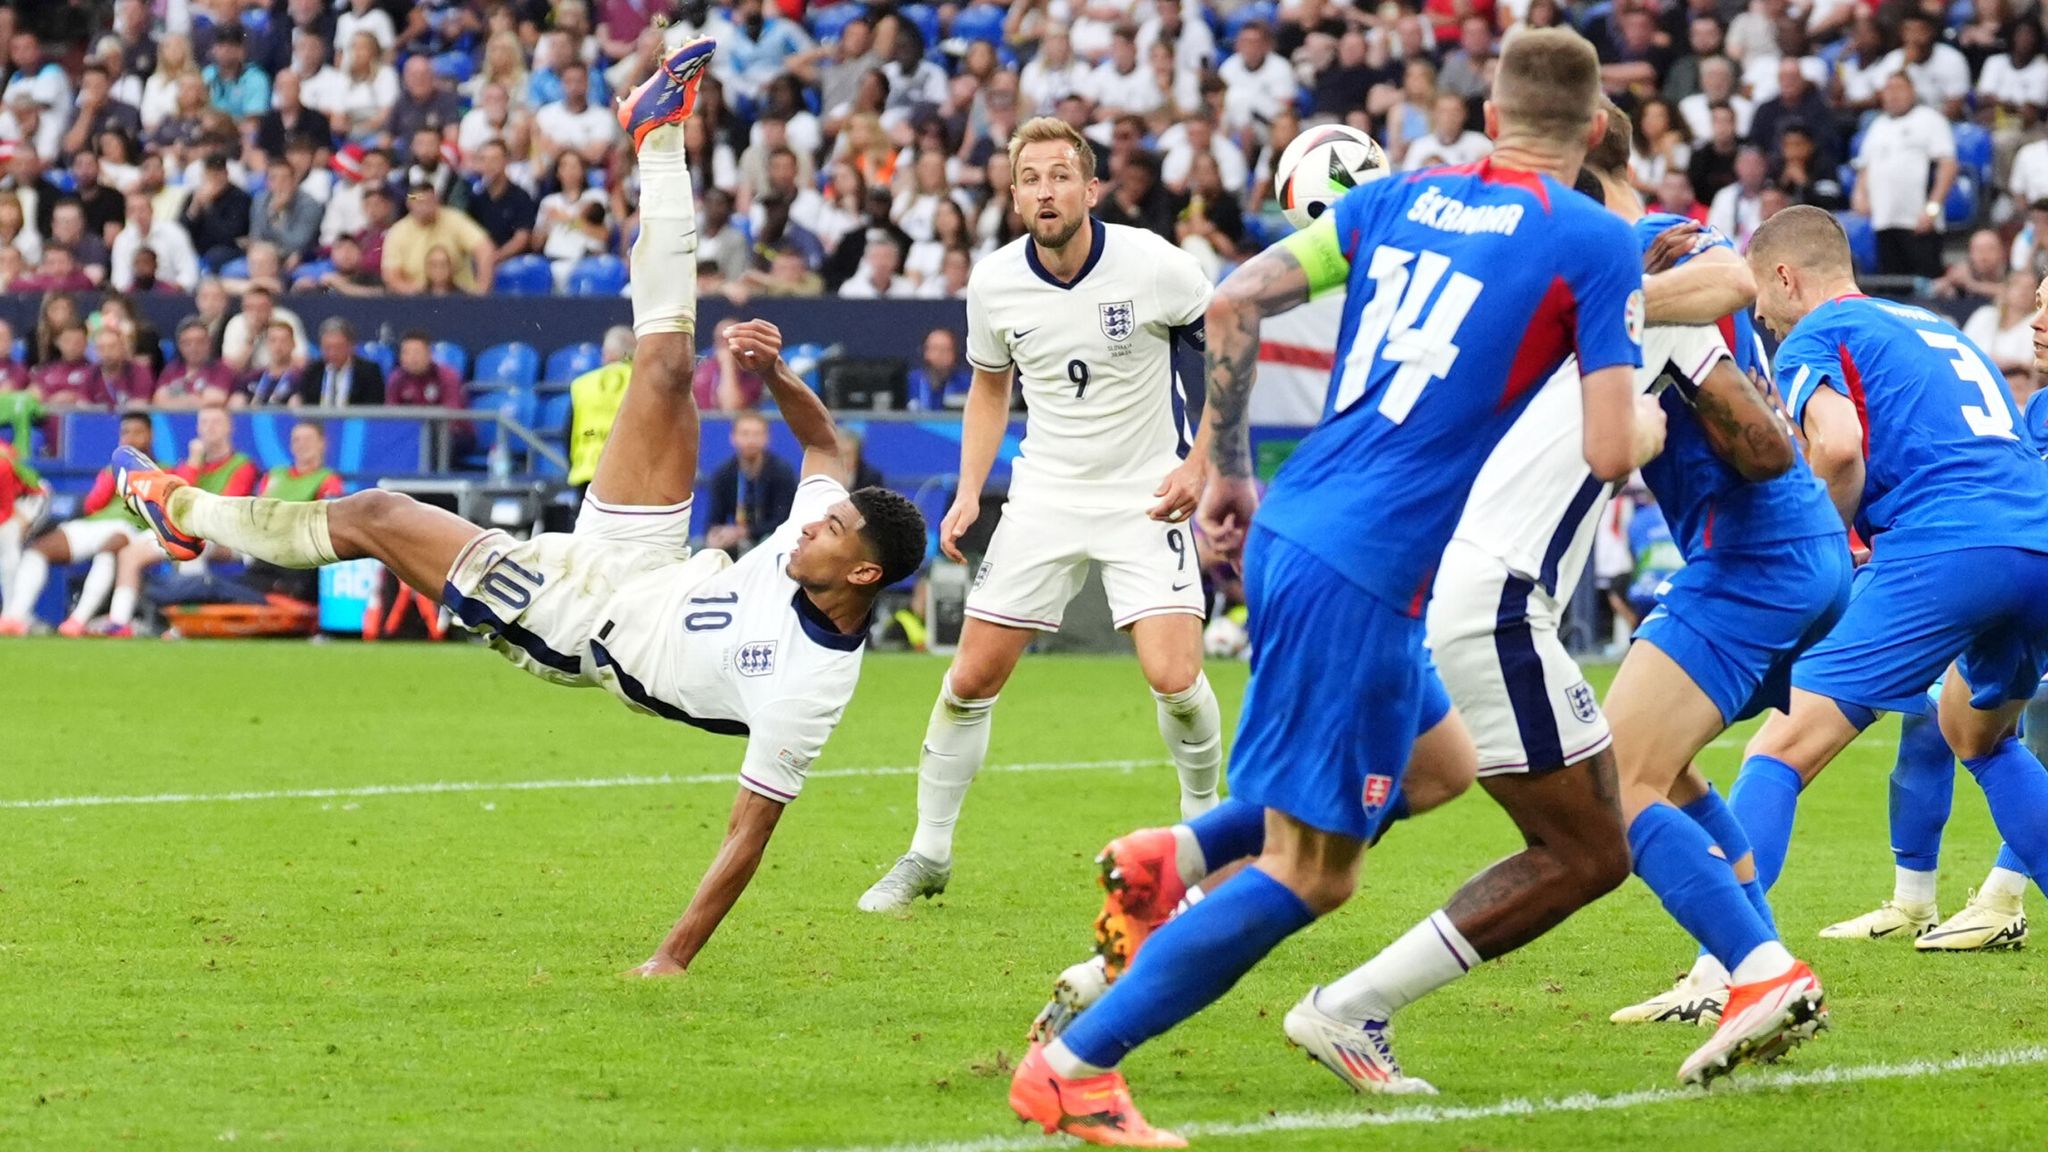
[1266,285]
[1741,426]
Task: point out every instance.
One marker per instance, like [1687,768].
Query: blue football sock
[1675,857]
[2010,860]
[1231,831]
[1718,820]
[1765,796]
[2016,788]
[1188,964]
[1923,789]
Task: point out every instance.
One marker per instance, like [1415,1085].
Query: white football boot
[1891,919]
[912,877]
[1988,923]
[1076,990]
[1696,999]
[1359,1055]
[1760,1023]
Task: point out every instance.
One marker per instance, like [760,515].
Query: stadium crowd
[247,151]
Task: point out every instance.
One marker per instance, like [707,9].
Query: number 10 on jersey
[1392,328]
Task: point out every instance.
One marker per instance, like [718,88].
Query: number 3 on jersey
[1993,419]
[1392,328]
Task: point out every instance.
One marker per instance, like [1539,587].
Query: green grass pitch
[435,970]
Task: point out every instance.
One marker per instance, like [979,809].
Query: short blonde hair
[1051,130]
[1610,157]
[1804,237]
[1548,84]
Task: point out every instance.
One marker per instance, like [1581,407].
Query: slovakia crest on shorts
[756,659]
[1580,697]
[1377,789]
[1118,319]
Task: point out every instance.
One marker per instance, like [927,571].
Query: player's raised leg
[955,745]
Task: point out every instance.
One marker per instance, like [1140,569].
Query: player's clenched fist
[1226,514]
[1180,491]
[755,343]
[959,518]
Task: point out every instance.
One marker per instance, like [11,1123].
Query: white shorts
[1493,634]
[86,538]
[540,601]
[1039,558]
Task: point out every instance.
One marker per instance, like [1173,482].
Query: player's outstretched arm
[981,434]
[1741,425]
[753,821]
[1834,445]
[1713,284]
[758,345]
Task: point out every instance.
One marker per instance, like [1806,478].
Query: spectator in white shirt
[880,276]
[320,82]
[2028,180]
[1449,141]
[2004,327]
[1738,209]
[1192,137]
[1051,75]
[1717,86]
[365,16]
[1119,84]
[1182,23]
[1257,82]
[1906,164]
[360,105]
[1094,26]
[913,80]
[176,262]
[1940,74]
[2017,81]
[573,123]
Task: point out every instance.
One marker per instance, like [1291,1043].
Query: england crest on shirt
[756,659]
[1118,319]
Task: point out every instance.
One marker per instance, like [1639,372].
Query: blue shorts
[1736,621]
[1908,619]
[1341,686]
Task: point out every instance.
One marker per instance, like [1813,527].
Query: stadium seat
[311,271]
[513,365]
[486,403]
[1862,240]
[524,276]
[1265,12]
[828,22]
[1973,149]
[926,19]
[553,421]
[236,269]
[169,348]
[454,67]
[379,354]
[565,364]
[597,276]
[452,355]
[1961,206]
[983,22]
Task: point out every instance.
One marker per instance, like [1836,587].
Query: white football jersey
[1535,503]
[743,651]
[1108,416]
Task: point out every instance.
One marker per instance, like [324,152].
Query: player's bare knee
[1174,676]
[662,362]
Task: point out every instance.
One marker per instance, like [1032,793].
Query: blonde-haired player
[1102,324]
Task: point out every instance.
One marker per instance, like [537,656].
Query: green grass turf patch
[438,970]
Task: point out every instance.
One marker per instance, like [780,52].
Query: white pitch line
[442,786]
[1583,1102]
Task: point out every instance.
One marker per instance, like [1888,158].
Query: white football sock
[10,555]
[287,533]
[1067,1064]
[1910,887]
[1192,726]
[955,744]
[1429,956]
[29,579]
[1765,961]
[665,255]
[122,610]
[1187,856]
[2005,884]
[99,580]
[1707,970]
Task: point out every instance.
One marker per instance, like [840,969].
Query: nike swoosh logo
[1877,934]
[1022,333]
[1182,587]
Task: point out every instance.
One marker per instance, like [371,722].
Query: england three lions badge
[1118,319]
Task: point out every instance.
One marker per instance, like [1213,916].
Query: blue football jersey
[1945,466]
[1708,502]
[2034,424]
[1465,289]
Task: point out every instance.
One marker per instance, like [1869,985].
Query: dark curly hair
[893,530]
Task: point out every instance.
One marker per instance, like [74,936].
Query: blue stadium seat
[597,276]
[455,67]
[524,276]
[982,22]
[485,403]
[926,19]
[166,345]
[236,269]
[1961,206]
[513,365]
[1265,11]
[554,416]
[379,354]
[1846,176]
[1862,240]
[453,355]
[565,364]
[1973,149]
[829,21]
